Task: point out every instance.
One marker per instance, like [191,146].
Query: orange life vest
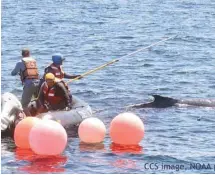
[31,70]
[49,93]
[57,71]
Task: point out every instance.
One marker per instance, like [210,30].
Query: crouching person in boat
[54,95]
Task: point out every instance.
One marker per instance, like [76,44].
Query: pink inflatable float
[127,129]
[22,131]
[92,130]
[48,137]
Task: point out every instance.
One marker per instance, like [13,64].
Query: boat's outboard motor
[10,110]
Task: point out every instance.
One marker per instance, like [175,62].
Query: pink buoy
[126,129]
[48,137]
[22,131]
[92,130]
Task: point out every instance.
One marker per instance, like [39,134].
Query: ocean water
[92,32]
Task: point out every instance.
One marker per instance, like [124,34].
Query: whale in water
[165,102]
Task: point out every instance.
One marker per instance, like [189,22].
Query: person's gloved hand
[79,77]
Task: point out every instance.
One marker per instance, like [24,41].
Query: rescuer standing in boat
[28,71]
[56,68]
[54,94]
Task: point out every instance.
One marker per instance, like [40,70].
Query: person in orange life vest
[54,94]
[56,68]
[28,71]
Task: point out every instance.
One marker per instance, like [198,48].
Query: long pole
[116,60]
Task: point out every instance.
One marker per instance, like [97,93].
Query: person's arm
[65,93]
[17,69]
[71,76]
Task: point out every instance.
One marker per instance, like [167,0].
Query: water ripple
[91,33]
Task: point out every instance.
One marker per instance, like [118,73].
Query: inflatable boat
[11,113]
[80,110]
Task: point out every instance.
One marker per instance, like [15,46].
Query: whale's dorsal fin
[158,102]
[159,97]
[163,102]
